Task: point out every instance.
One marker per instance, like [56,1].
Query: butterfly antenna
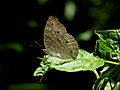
[37,44]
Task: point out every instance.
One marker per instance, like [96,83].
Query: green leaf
[112,34]
[28,86]
[84,61]
[105,80]
[109,44]
[15,46]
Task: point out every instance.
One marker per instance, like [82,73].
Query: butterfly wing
[57,41]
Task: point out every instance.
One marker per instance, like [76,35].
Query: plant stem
[111,62]
[97,75]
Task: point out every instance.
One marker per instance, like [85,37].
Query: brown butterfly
[58,42]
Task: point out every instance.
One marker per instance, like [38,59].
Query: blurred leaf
[42,2]
[15,46]
[70,10]
[102,11]
[28,86]
[96,2]
[93,11]
[32,24]
[85,36]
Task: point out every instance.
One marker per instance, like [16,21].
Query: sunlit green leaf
[84,61]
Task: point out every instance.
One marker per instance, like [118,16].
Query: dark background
[23,22]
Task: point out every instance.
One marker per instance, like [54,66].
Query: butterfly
[57,41]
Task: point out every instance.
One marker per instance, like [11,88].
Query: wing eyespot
[66,41]
[71,51]
[58,32]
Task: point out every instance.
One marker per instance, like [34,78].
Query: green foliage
[84,61]
[33,24]
[28,86]
[84,35]
[106,55]
[70,10]
[108,48]
[101,11]
[109,44]
[15,46]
